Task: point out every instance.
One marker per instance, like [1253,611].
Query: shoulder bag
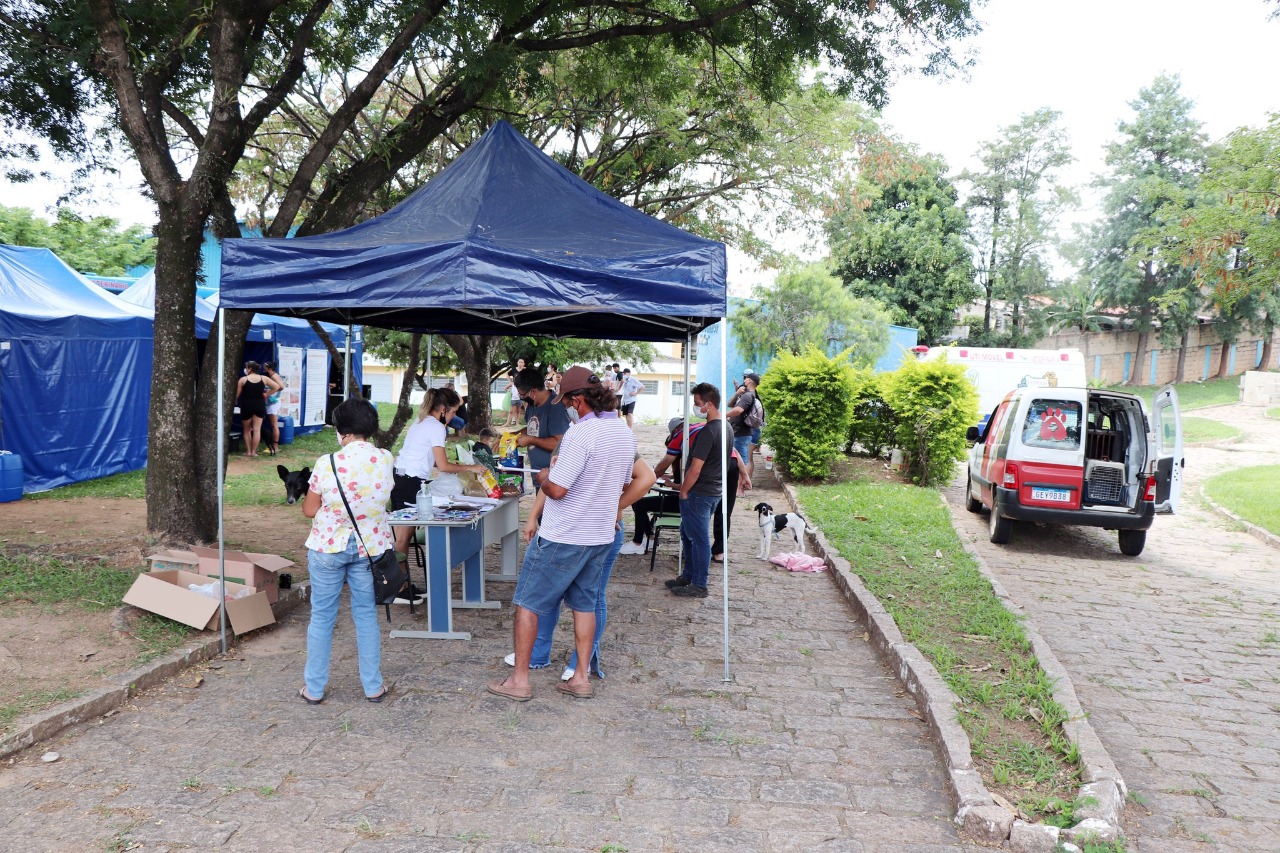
[388,577]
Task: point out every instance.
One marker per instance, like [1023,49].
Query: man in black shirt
[700,491]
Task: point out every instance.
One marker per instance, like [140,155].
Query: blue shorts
[742,444]
[755,435]
[552,571]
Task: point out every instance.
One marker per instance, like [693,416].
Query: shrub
[808,401]
[874,423]
[935,404]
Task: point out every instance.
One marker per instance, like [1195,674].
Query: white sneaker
[567,674]
[510,660]
[633,548]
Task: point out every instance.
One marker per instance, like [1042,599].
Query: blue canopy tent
[503,241]
[75,372]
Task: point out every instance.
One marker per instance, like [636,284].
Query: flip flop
[386,689]
[515,694]
[577,691]
[302,692]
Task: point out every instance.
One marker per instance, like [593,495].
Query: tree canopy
[808,308]
[897,236]
[97,244]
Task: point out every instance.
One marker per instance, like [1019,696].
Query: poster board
[290,367]
[317,387]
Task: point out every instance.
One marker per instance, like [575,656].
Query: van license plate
[1061,495]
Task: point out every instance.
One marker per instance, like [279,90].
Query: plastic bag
[446,486]
[213,590]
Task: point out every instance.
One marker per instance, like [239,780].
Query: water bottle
[424,503]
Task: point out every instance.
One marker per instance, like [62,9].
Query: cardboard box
[166,594]
[257,571]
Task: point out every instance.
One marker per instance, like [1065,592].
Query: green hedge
[808,401]
[935,405]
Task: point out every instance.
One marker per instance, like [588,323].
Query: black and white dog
[772,525]
[295,483]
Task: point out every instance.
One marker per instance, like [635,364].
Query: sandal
[302,692]
[386,689]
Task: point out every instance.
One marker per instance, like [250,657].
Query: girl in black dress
[251,397]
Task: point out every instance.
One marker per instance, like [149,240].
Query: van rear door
[1167,424]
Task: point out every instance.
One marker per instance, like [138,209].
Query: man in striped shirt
[567,556]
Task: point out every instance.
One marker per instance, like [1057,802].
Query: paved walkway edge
[44,725]
[976,810]
[1259,533]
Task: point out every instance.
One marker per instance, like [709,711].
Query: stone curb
[976,811]
[44,725]
[1252,529]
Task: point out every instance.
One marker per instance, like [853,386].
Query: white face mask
[573,414]
[340,438]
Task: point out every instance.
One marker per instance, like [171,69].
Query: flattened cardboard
[165,593]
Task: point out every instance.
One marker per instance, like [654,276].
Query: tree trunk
[1138,358]
[476,354]
[173,494]
[1224,359]
[1266,351]
[1182,357]
[387,437]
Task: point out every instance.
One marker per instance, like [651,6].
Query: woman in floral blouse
[334,553]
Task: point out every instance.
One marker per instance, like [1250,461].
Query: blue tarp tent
[75,372]
[504,240]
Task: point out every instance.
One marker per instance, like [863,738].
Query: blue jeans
[547,621]
[695,535]
[742,444]
[328,573]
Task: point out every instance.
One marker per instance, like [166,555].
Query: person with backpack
[745,416]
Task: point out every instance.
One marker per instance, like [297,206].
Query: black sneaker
[412,594]
[690,591]
[678,581]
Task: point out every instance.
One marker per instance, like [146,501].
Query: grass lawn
[900,541]
[1251,493]
[1273,413]
[1191,395]
[1203,430]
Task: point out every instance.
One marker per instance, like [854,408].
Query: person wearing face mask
[423,450]
[700,492]
[566,559]
[545,420]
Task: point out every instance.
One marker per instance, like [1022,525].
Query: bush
[935,404]
[874,424]
[808,402]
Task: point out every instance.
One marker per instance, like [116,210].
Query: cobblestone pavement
[812,746]
[1173,654]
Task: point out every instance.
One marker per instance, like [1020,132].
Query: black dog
[295,482]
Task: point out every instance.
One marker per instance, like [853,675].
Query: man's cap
[747,372]
[754,377]
[576,378]
[674,424]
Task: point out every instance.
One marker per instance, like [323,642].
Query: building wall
[1108,355]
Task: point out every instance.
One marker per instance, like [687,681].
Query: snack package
[507,444]
[480,485]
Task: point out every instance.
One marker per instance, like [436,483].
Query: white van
[1077,456]
[996,371]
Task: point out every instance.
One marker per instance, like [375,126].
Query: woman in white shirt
[423,451]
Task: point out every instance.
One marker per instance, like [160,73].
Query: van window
[1052,424]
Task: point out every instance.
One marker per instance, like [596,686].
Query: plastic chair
[659,522]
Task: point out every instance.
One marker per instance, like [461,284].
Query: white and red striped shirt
[594,463]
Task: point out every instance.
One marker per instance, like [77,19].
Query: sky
[1086,59]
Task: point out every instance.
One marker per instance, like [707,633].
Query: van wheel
[970,502]
[1132,542]
[999,527]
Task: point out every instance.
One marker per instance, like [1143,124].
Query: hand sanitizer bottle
[424,503]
